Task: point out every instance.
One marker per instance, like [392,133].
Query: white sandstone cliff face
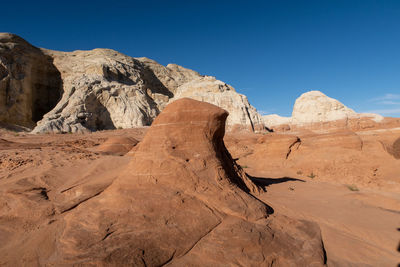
[100,89]
[104,89]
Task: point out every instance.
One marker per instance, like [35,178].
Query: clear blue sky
[271,51]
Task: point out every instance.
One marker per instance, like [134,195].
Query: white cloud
[393,111]
[386,97]
[388,102]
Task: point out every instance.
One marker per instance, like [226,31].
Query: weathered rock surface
[315,110]
[100,89]
[30,85]
[179,200]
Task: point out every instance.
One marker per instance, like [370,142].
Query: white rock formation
[104,89]
[100,89]
[315,108]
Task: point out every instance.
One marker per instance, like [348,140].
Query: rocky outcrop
[100,89]
[315,110]
[103,89]
[30,85]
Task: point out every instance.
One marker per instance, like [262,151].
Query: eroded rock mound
[181,200]
[316,107]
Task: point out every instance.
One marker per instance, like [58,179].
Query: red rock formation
[180,200]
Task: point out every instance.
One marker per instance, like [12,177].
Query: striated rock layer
[179,200]
[101,89]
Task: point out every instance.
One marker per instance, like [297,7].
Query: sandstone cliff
[100,89]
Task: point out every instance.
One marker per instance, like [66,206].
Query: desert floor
[359,220]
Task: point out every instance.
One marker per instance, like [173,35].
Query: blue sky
[271,51]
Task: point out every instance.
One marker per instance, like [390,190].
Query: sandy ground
[359,228]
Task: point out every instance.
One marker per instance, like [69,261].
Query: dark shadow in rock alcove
[97,116]
[116,75]
[154,84]
[47,87]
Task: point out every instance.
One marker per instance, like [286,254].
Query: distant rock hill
[100,89]
[315,110]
